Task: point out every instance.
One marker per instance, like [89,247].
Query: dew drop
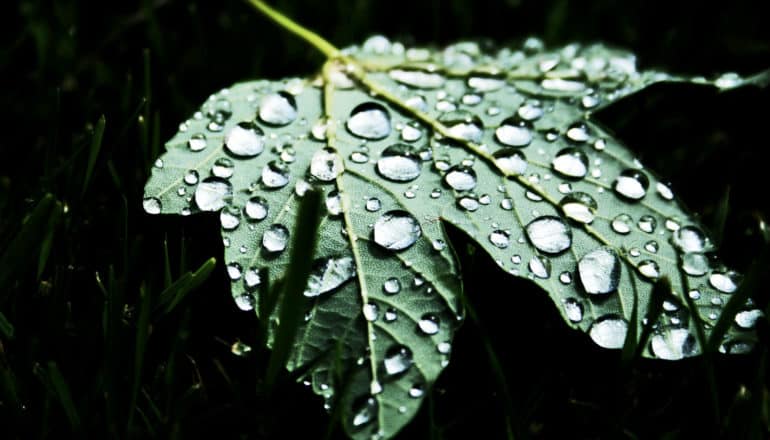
[417,78]
[334,202]
[578,132]
[460,178]
[391,286]
[579,206]
[513,133]
[647,223]
[275,174]
[690,239]
[500,239]
[571,162]
[429,324]
[275,238]
[540,267]
[197,142]
[223,168]
[325,165]
[463,125]
[609,331]
[151,205]
[622,224]
[371,312]
[695,264]
[549,234]
[747,319]
[191,177]
[212,194]
[277,109]
[649,269]
[399,163]
[256,208]
[230,218]
[573,309]
[245,302]
[245,140]
[396,230]
[398,359]
[234,271]
[485,83]
[511,162]
[726,282]
[599,271]
[373,204]
[369,120]
[631,184]
[673,344]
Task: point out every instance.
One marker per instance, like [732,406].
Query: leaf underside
[501,145]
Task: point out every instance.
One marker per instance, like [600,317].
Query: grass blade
[142,334]
[54,381]
[6,328]
[176,292]
[93,154]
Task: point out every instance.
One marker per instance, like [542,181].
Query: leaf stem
[328,49]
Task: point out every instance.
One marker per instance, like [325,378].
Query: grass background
[89,345]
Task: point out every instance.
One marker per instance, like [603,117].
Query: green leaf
[400,141]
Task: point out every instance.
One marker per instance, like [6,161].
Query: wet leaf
[401,141]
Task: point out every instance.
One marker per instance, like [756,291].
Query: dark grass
[114,325]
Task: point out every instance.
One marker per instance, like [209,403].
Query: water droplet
[252,279]
[275,174]
[599,271]
[664,191]
[396,230]
[609,331]
[530,111]
[234,271]
[651,247]
[511,162]
[622,224]
[230,218]
[277,109]
[647,223]
[631,184]
[398,359]
[326,165]
[506,204]
[245,140]
[429,324]
[695,264]
[369,120]
[411,132]
[359,157]
[514,133]
[540,267]
[418,78]
[328,274]
[485,83]
[747,319]
[256,208]
[463,125]
[573,310]
[726,282]
[223,168]
[571,162]
[191,177]
[579,206]
[197,142]
[212,194]
[500,238]
[391,286]
[649,269]
[468,202]
[460,178]
[690,239]
[438,244]
[373,204]
[562,85]
[371,312]
[334,202]
[549,234]
[399,163]
[151,205]
[416,391]
[673,344]
[364,411]
[275,238]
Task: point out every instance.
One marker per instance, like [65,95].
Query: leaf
[401,140]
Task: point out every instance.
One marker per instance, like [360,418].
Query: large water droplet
[245,302]
[609,331]
[649,269]
[371,312]
[599,271]
[631,184]
[578,132]
[275,174]
[256,208]
[690,239]
[579,206]
[540,267]
[399,163]
[277,109]
[151,205]
[747,319]
[334,202]
[369,120]
[421,79]
[213,193]
[429,324]
[245,140]
[460,178]
[398,359]
[364,411]
[673,344]
[223,168]
[230,218]
[485,83]
[695,264]
[511,161]
[326,165]
[396,230]
[275,238]
[514,132]
[328,274]
[463,125]
[549,234]
[197,142]
[726,282]
[571,162]
[500,238]
[622,224]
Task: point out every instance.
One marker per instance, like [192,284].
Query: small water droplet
[649,269]
[234,271]
[571,162]
[416,391]
[275,174]
[647,223]
[256,208]
[391,286]
[609,331]
[460,178]
[631,184]
[325,165]
[690,239]
[197,142]
[373,204]
[399,163]
[664,191]
[747,319]
[369,120]
[429,324]
[191,177]
[252,279]
[328,274]
[514,132]
[549,234]
[530,111]
[359,157]
[511,161]
[245,140]
[485,83]
[230,218]
[371,312]
[622,224]
[726,282]
[396,230]
[562,85]
[275,238]
[277,109]
[364,411]
[151,205]
[579,206]
[463,125]
[334,202]
[578,132]
[599,271]
[540,267]
[438,244]
[223,168]
[417,78]
[398,359]
[500,238]
[695,264]
[573,310]
[212,194]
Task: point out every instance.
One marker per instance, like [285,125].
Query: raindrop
[573,309]
[511,161]
[399,163]
[530,111]
[579,206]
[373,204]
[328,274]
[277,109]
[540,267]
[463,125]
[246,302]
[747,319]
[726,282]
[334,202]
[191,177]
[417,78]
[664,191]
[371,312]
[690,239]
[578,132]
[565,278]
[223,168]
[562,85]
[396,230]
[212,194]
[500,238]
[416,391]
[252,279]
[364,411]
[468,202]
[599,271]
[649,269]
[230,218]
[514,133]
[695,264]
[275,238]
[275,174]
[460,178]
[673,344]
[234,271]
[359,157]
[151,205]
[549,234]
[398,359]
[647,223]
[609,331]
[245,140]
[391,286]
[326,165]
[197,142]
[369,121]
[429,324]
[571,162]
[391,315]
[622,224]
[256,208]
[485,83]
[631,184]
[438,244]
[651,247]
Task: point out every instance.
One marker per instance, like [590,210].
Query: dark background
[147,65]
